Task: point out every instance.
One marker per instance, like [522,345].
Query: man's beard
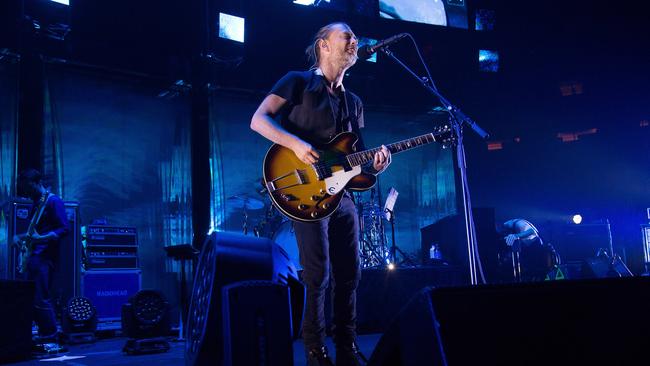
[348,60]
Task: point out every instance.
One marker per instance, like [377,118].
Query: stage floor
[108,352]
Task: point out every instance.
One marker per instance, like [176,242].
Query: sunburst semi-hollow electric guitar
[312,192]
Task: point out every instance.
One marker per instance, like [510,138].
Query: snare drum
[286,238]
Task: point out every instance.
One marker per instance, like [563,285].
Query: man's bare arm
[263,123]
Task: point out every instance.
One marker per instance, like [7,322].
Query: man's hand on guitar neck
[382,159]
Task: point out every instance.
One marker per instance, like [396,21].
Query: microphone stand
[457,119]
[392,252]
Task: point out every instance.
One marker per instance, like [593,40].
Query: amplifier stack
[111,247]
[112,272]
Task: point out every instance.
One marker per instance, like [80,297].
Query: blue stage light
[310,2]
[485,20]
[488,60]
[231,27]
[577,219]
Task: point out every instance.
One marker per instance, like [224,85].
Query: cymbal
[245,202]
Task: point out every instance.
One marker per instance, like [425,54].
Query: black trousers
[330,245]
[40,270]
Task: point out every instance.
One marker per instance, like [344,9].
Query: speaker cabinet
[109,290]
[257,324]
[226,259]
[449,233]
[579,242]
[16,309]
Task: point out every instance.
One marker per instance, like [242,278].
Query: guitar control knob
[302,207]
[322,191]
[314,214]
[326,206]
[315,198]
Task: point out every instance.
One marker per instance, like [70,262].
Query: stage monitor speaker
[413,337]
[393,289]
[227,258]
[16,309]
[595,267]
[600,322]
[66,278]
[257,324]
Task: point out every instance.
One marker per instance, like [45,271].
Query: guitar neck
[363,157]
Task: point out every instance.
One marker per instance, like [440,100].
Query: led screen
[231,27]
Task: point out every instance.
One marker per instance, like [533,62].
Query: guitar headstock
[445,135]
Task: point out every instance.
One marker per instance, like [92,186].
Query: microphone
[366,51]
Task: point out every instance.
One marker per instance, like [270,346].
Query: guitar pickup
[321,170]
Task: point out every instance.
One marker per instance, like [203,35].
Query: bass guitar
[312,192]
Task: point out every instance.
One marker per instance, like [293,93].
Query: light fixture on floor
[145,320]
[79,321]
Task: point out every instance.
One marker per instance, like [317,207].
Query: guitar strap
[354,122]
[37,215]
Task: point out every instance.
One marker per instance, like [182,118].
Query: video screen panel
[446,13]
[231,27]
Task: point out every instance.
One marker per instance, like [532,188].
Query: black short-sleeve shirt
[312,113]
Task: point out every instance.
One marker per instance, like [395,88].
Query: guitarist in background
[44,246]
[313,107]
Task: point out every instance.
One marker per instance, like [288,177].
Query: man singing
[313,107]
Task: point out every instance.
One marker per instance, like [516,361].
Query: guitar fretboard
[362,157]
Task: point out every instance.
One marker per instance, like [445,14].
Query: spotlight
[391,266]
[145,320]
[488,60]
[79,321]
[577,219]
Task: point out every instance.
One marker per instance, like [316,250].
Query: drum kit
[277,227]
[271,224]
[372,239]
